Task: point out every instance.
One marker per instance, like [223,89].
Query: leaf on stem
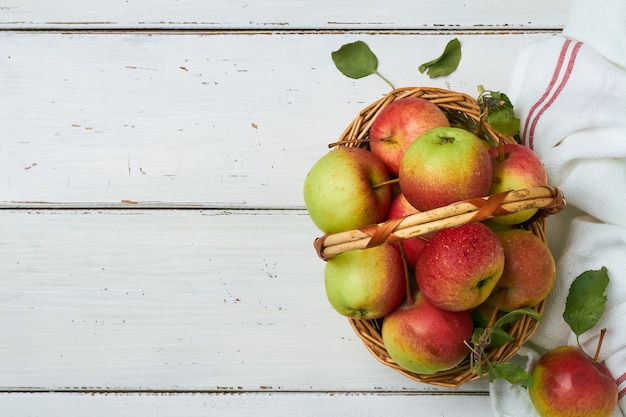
[356,60]
[586,300]
[513,373]
[500,113]
[446,63]
[503,120]
[514,315]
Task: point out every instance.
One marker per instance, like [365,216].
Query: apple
[529,271]
[515,167]
[460,266]
[399,124]
[343,191]
[425,339]
[367,283]
[414,246]
[568,383]
[444,165]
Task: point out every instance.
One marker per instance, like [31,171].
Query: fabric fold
[570,94]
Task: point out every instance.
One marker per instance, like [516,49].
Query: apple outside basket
[462,111]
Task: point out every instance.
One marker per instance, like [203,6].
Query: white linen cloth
[570,94]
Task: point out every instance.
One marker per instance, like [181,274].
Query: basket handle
[549,200]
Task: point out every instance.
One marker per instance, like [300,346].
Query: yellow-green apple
[515,167]
[568,383]
[366,283]
[460,266]
[414,246]
[425,339]
[444,165]
[343,191]
[529,271]
[399,124]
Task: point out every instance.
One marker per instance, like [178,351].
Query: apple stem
[391,181]
[501,154]
[597,355]
[409,296]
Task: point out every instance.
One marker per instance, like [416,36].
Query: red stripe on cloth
[555,76]
[530,135]
[619,382]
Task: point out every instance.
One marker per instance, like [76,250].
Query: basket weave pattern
[462,111]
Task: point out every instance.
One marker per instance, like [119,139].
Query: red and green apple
[568,383]
[515,167]
[529,271]
[399,124]
[366,283]
[445,165]
[460,266]
[343,191]
[425,339]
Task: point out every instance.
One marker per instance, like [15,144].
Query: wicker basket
[462,111]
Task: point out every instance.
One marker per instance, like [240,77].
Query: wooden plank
[268,14]
[174,300]
[223,120]
[237,405]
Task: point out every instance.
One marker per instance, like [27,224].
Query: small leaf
[355,60]
[446,63]
[499,337]
[503,120]
[499,111]
[505,99]
[514,315]
[513,373]
[586,300]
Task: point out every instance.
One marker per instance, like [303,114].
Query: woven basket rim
[462,110]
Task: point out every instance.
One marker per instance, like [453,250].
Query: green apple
[366,283]
[399,124]
[529,271]
[342,190]
[568,383]
[425,339]
[445,165]
[515,167]
[460,266]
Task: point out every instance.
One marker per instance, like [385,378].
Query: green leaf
[446,63]
[503,120]
[586,300]
[513,373]
[505,99]
[499,337]
[514,315]
[499,111]
[355,60]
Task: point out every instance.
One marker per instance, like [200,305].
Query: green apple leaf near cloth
[499,111]
[586,300]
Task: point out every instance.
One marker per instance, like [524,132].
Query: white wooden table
[155,255]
